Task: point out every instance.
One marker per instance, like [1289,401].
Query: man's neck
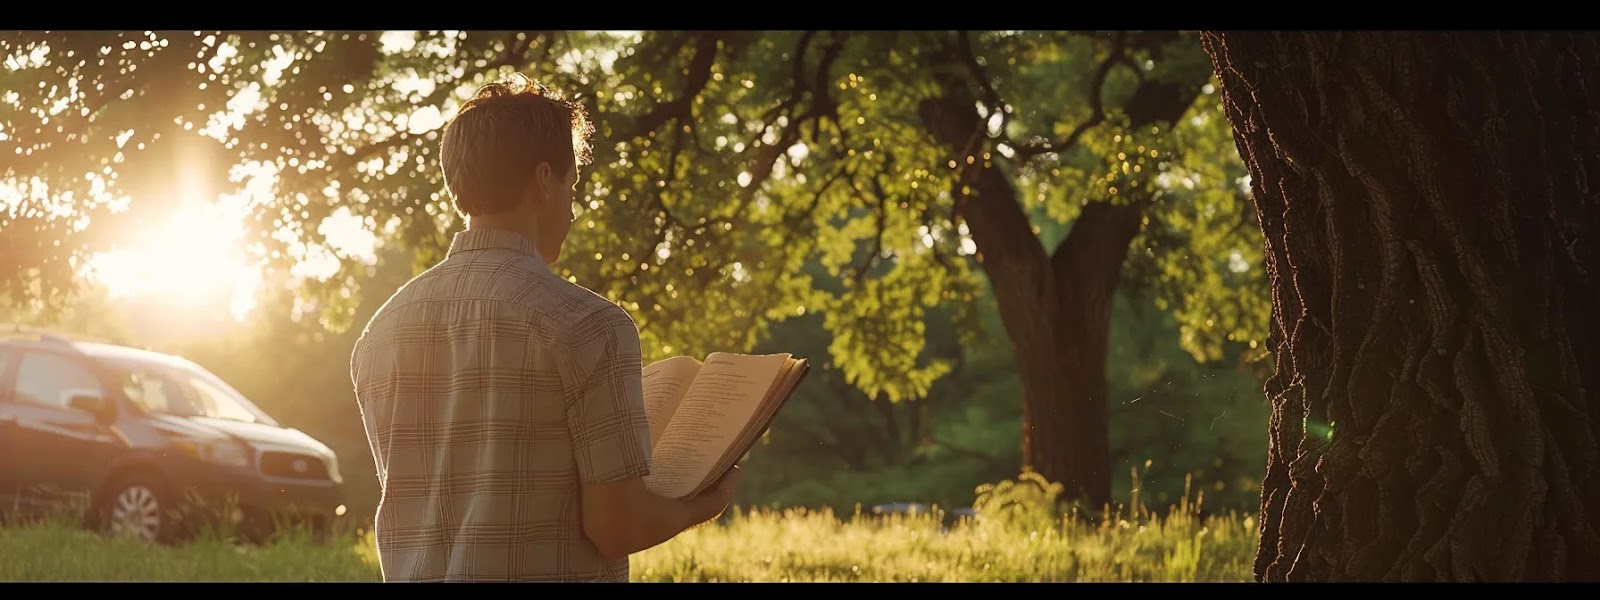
[519,226]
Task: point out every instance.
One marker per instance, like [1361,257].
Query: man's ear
[539,187]
[543,173]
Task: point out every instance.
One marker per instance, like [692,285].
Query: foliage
[1200,255]
[1170,416]
[1023,505]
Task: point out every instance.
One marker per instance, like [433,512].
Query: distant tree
[1429,202]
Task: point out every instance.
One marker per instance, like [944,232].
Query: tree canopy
[732,170]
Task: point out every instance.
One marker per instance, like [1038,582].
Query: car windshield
[184,392]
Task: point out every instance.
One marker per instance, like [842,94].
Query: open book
[705,416]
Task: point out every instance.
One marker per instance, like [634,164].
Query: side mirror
[91,403]
[86,402]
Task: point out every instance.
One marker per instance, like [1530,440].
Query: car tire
[139,506]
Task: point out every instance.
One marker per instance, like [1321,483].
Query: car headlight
[221,452]
[333,468]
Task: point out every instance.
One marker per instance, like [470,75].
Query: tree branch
[514,53]
[871,259]
[821,106]
[1097,111]
[990,95]
[680,107]
[794,221]
[659,204]
[516,50]
[1100,234]
[984,197]
[798,86]
[970,58]
[1152,102]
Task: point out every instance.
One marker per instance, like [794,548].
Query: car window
[180,391]
[217,402]
[52,380]
[153,390]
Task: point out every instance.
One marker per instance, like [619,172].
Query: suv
[146,442]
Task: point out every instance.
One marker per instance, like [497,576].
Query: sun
[193,259]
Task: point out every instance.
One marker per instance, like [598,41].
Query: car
[149,445]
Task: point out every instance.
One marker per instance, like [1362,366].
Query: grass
[802,546]
[1019,536]
[59,552]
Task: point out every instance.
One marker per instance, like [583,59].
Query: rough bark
[1429,208]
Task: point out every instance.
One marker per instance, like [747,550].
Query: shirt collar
[485,239]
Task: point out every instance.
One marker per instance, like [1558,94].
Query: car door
[11,450]
[63,447]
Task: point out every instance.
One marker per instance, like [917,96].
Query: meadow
[1017,536]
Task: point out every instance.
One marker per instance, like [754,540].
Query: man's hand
[713,500]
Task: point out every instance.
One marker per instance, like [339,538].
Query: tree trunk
[1059,339]
[1056,313]
[1429,204]
[1056,306]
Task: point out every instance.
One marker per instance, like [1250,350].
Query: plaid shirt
[491,388]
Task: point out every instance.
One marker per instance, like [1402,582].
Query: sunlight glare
[188,259]
[395,42]
[32,60]
[349,235]
[425,119]
[10,199]
[193,259]
[1236,262]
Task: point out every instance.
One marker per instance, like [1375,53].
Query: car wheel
[137,507]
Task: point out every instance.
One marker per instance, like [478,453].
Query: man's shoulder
[564,303]
[538,295]
[579,317]
[402,297]
[561,297]
[592,316]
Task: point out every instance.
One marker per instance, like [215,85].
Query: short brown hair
[489,149]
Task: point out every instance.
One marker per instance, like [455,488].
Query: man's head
[512,154]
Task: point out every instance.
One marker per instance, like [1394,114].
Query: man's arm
[622,517]
[611,443]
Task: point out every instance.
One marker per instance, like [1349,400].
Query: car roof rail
[43,334]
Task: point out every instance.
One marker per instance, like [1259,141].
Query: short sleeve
[605,415]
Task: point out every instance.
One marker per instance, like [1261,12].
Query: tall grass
[1019,534]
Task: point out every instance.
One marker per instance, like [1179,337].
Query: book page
[664,384]
[714,411]
[789,377]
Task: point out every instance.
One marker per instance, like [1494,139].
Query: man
[503,403]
